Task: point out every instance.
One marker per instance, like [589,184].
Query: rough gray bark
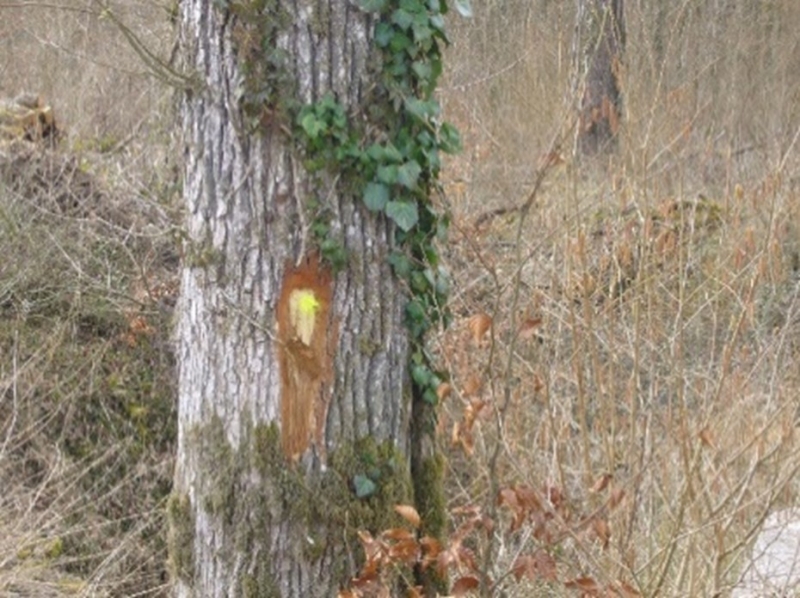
[601,105]
[235,529]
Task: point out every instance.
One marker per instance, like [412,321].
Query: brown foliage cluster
[544,514]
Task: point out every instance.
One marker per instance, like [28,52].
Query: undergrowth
[86,379]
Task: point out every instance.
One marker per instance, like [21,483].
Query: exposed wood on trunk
[306,346]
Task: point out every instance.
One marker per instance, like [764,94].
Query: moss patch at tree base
[253,489]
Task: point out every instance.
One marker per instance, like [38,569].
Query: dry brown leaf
[546,566]
[533,566]
[398,534]
[617,494]
[479,325]
[464,584]
[528,498]
[602,482]
[472,412]
[508,497]
[528,328]
[431,548]
[473,385]
[443,391]
[370,544]
[524,566]
[602,531]
[456,433]
[706,438]
[367,578]
[405,551]
[587,585]
[408,513]
[466,558]
[444,561]
[555,496]
[488,524]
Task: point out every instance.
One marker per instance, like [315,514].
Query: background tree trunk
[601,105]
[279,413]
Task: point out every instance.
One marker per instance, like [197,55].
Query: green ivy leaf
[387,174]
[449,138]
[464,8]
[383,34]
[443,282]
[437,22]
[403,213]
[422,31]
[419,283]
[422,70]
[384,154]
[363,486]
[402,18]
[392,154]
[416,318]
[408,174]
[401,264]
[373,5]
[376,152]
[376,196]
[422,375]
[422,109]
[432,159]
[334,253]
[430,397]
[413,6]
[398,44]
[415,312]
[312,125]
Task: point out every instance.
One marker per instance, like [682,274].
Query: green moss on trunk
[180,537]
[432,508]
[252,489]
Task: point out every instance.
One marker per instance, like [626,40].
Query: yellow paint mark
[303,309]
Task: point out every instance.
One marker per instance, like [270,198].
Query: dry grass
[87,417]
[645,314]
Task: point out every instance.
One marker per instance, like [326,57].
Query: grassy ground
[627,349]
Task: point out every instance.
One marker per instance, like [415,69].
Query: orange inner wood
[306,368]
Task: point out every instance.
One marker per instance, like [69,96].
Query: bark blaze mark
[306,344]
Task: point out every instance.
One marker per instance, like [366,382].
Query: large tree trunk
[604,43]
[282,404]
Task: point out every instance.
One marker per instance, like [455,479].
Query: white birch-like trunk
[235,528]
